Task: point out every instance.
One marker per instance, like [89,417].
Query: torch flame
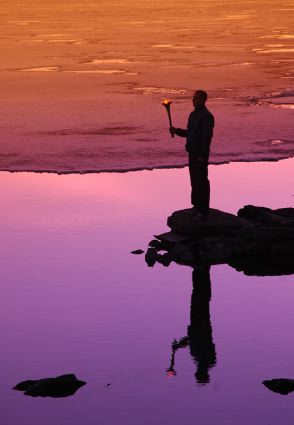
[166,102]
[171,373]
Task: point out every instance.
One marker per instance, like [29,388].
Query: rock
[182,254]
[282,251]
[217,250]
[151,257]
[262,267]
[164,259]
[155,244]
[286,212]
[216,224]
[282,386]
[137,251]
[61,386]
[173,237]
[258,241]
[263,215]
[256,232]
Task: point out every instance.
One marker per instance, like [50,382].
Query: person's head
[199,98]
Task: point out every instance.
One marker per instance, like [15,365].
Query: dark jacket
[199,132]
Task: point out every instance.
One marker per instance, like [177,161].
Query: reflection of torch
[166,103]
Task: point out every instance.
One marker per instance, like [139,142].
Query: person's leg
[203,191]
[200,193]
[193,171]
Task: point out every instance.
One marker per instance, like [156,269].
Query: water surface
[74,300]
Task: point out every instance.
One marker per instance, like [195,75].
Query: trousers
[200,193]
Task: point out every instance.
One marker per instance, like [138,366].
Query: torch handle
[170,121]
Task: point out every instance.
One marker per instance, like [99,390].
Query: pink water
[74,300]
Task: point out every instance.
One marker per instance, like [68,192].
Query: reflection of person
[199,338]
[198,134]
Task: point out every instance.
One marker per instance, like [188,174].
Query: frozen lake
[82,82]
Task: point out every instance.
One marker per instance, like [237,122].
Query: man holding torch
[198,135]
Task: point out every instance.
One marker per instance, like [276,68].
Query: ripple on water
[105,61]
[276,142]
[56,41]
[55,35]
[24,23]
[283,105]
[78,71]
[30,40]
[137,22]
[40,69]
[67,41]
[159,90]
[279,36]
[171,46]
[275,50]
[240,16]
[102,71]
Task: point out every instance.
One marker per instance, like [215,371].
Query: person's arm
[178,131]
[206,136]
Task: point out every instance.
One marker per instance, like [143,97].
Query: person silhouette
[199,335]
[198,135]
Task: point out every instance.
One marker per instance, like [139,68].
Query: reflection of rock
[137,251]
[155,244]
[257,241]
[61,386]
[164,259]
[282,386]
[151,256]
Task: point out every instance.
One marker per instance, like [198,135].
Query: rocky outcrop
[61,386]
[281,385]
[218,223]
[257,241]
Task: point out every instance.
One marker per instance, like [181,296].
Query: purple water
[74,300]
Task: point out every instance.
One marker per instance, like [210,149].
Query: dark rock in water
[137,251]
[215,250]
[263,215]
[182,254]
[258,241]
[61,386]
[24,385]
[151,257]
[258,267]
[155,244]
[164,259]
[172,237]
[217,223]
[282,386]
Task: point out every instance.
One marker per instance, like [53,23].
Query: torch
[166,103]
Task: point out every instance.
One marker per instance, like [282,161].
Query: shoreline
[136,169]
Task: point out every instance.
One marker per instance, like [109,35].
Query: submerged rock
[61,386]
[282,385]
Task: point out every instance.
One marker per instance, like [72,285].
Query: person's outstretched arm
[181,132]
